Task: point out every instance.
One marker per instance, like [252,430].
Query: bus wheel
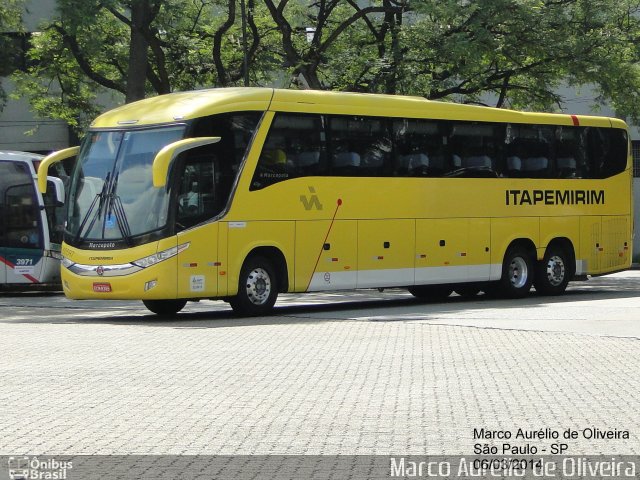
[467,291]
[165,307]
[553,272]
[431,292]
[257,288]
[517,273]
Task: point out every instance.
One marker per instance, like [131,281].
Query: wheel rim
[258,286]
[555,270]
[518,272]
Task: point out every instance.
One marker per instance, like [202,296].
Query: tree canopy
[10,25]
[510,53]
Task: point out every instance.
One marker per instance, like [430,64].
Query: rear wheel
[257,288]
[517,273]
[553,272]
[431,292]
[165,307]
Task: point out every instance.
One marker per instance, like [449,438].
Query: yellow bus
[241,194]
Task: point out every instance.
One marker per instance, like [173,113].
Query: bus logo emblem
[100,270]
[311,202]
[18,468]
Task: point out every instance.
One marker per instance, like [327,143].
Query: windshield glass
[111,195]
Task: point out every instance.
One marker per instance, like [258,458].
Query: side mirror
[58,190]
[49,160]
[165,157]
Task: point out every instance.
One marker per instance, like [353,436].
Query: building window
[14,47]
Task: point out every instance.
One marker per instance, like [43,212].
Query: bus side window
[196,194]
[607,151]
[293,148]
[616,160]
[528,153]
[475,144]
[21,227]
[359,146]
[419,148]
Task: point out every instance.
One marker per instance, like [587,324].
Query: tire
[553,272]
[431,292]
[257,288]
[165,307]
[517,273]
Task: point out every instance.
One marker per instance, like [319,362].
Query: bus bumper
[99,282]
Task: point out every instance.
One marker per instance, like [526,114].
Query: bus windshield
[112,196]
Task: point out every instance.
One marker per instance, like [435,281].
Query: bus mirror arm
[49,160]
[58,188]
[163,159]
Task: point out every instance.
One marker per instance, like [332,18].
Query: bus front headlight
[66,263]
[160,256]
[53,254]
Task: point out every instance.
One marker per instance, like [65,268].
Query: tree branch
[83,63]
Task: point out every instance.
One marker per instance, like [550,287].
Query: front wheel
[257,288]
[553,272]
[517,273]
[165,307]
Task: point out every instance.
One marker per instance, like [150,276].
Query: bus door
[198,264]
[21,232]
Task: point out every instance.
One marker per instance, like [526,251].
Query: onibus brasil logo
[32,468]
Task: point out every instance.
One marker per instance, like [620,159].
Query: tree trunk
[138,51]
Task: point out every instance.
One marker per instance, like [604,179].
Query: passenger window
[419,148]
[293,148]
[473,146]
[528,151]
[616,160]
[607,151]
[570,161]
[358,146]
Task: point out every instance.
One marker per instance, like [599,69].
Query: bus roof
[174,107]
[180,106]
[20,156]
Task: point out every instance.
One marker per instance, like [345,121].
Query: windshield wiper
[115,205]
[99,196]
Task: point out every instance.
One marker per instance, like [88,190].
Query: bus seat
[514,164]
[477,161]
[373,159]
[535,164]
[417,160]
[566,167]
[437,162]
[346,159]
[415,164]
[346,163]
[308,159]
[456,160]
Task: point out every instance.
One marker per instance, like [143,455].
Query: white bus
[31,224]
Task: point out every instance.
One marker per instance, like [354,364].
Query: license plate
[102,287]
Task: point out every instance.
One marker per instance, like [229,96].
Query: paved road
[353,373]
